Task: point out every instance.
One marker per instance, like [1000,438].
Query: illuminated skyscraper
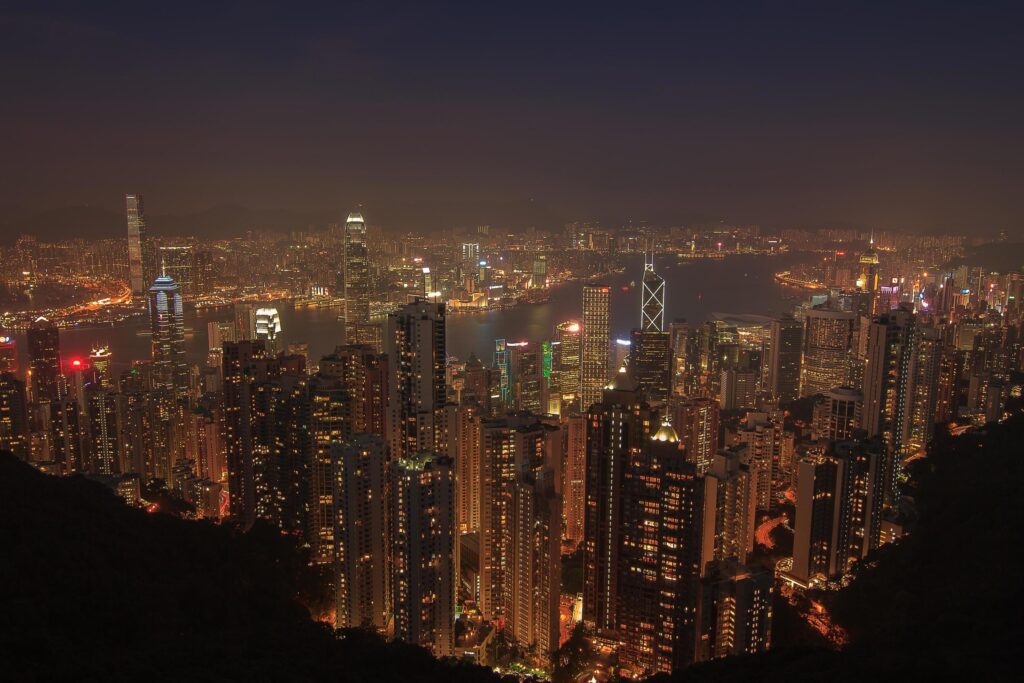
[652,299]
[357,280]
[539,278]
[887,383]
[13,415]
[140,267]
[177,263]
[99,361]
[828,340]
[268,328]
[567,379]
[167,319]
[102,454]
[922,395]
[46,381]
[650,361]
[729,510]
[415,345]
[734,612]
[867,281]
[595,344]
[785,356]
[423,575]
[575,477]
[618,429]
[696,422]
[840,414]
[362,541]
[8,354]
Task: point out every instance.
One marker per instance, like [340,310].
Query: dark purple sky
[890,115]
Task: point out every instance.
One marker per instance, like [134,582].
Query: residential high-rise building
[595,344]
[330,413]
[828,339]
[696,422]
[575,477]
[140,256]
[534,562]
[357,280]
[167,320]
[415,346]
[362,538]
[245,362]
[102,452]
[44,365]
[65,436]
[737,389]
[734,612]
[14,432]
[423,574]
[886,389]
[785,354]
[922,394]
[729,510]
[652,299]
[840,414]
[464,433]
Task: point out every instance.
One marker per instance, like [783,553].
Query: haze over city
[886,115]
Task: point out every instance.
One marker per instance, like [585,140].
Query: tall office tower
[102,452]
[539,277]
[659,559]
[99,362]
[363,542]
[618,428]
[423,575]
[679,341]
[167,318]
[245,322]
[652,299]
[737,389]
[8,354]
[922,394]
[244,363]
[268,328]
[526,379]
[867,281]
[838,509]
[575,476]
[357,280]
[415,346]
[765,439]
[696,422]
[787,336]
[534,563]
[65,436]
[464,423]
[840,415]
[470,261]
[651,363]
[567,336]
[330,423]
[45,379]
[595,344]
[140,250]
[828,339]
[886,384]
[177,263]
[729,511]
[734,612]
[14,432]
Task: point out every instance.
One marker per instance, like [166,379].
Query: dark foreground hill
[93,590]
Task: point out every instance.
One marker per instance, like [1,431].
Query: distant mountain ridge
[90,222]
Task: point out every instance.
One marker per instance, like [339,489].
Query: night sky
[899,115]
